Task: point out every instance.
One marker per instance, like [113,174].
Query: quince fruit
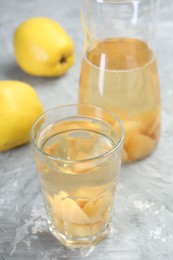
[19,108]
[140,146]
[43,48]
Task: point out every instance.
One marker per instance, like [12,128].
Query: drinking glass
[78,152]
[119,68]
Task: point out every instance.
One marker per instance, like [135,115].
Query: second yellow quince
[43,48]
[19,108]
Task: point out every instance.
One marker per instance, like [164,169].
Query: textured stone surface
[143,221]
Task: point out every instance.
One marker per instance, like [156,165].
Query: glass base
[70,241]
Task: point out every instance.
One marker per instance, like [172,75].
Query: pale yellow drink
[78,161]
[121,75]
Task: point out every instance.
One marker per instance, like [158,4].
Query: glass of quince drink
[78,153]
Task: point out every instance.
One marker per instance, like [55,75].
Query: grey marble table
[143,219]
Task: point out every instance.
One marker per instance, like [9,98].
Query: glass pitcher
[119,68]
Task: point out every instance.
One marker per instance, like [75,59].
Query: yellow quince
[19,108]
[43,48]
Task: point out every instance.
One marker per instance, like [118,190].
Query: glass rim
[58,159]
